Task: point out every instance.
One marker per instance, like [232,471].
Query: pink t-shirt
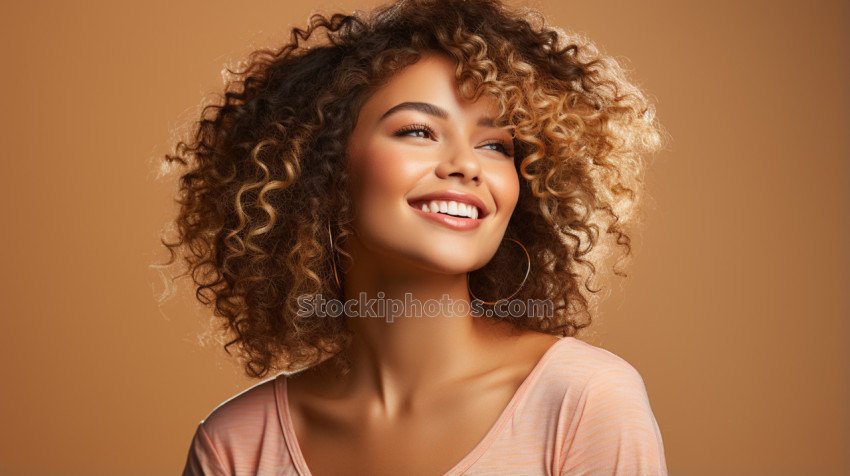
[581,411]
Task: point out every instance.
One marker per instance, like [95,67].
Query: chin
[457,261]
[427,249]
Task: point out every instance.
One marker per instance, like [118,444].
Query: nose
[461,162]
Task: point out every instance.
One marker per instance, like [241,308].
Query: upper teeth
[451,208]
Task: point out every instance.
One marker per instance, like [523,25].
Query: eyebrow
[431,110]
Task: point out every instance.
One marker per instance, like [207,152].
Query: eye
[500,147]
[415,130]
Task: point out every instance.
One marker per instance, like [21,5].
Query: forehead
[431,80]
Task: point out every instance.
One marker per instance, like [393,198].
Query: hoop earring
[333,253]
[524,279]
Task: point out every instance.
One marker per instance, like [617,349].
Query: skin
[422,392]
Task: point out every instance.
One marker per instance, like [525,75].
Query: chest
[342,441]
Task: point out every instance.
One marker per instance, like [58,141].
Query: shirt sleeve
[203,458]
[616,432]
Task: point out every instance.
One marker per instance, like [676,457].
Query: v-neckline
[460,466]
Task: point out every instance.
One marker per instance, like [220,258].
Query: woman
[451,152]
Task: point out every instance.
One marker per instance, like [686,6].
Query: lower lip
[455,223]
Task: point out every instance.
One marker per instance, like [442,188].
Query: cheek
[378,170]
[504,185]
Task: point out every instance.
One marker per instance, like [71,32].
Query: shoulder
[605,411]
[241,423]
[576,365]
[576,378]
[584,379]
[244,409]
[243,433]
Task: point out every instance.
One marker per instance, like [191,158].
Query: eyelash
[414,128]
[424,128]
[501,144]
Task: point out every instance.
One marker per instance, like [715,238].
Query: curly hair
[265,172]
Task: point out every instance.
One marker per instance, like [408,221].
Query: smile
[448,207]
[449,213]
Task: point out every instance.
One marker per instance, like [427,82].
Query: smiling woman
[426,151]
[417,143]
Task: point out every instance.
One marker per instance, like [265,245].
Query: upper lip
[456,196]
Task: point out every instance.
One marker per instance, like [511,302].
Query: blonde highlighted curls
[265,167]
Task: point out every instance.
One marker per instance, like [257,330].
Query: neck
[411,346]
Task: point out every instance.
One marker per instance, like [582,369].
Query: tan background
[735,312]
